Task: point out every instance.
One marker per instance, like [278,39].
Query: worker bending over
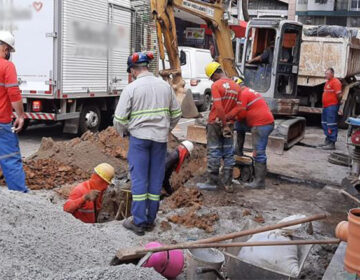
[225,94]
[256,116]
[148,111]
[331,100]
[174,161]
[85,199]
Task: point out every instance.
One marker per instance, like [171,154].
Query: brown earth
[50,173]
[87,151]
[183,197]
[191,219]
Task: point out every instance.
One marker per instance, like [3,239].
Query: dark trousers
[147,169]
[219,148]
[329,122]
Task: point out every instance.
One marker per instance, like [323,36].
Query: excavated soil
[191,219]
[87,151]
[183,197]
[50,173]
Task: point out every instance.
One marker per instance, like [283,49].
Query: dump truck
[293,81]
[71,58]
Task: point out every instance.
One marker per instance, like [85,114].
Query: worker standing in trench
[329,119]
[10,98]
[260,120]
[85,200]
[148,111]
[225,94]
[174,161]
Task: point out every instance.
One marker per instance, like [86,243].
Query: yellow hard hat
[211,68]
[105,171]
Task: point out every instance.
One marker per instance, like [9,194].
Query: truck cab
[193,62]
[270,61]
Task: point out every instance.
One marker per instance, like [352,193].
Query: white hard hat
[188,145]
[8,38]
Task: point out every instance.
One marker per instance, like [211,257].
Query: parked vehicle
[71,59]
[193,62]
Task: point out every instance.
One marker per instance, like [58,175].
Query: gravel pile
[40,241]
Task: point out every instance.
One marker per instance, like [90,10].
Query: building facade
[329,12]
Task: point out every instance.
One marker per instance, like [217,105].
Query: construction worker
[85,199]
[148,111]
[10,99]
[256,116]
[329,119]
[225,94]
[174,161]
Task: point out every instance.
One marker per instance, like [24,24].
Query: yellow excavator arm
[215,16]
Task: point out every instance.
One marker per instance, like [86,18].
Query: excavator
[215,14]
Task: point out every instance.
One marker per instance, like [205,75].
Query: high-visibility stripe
[153,197]
[122,120]
[176,113]
[139,197]
[9,155]
[86,211]
[11,85]
[150,111]
[252,102]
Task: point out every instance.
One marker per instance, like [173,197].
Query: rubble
[184,197]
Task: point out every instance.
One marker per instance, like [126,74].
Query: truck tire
[207,102]
[351,108]
[90,119]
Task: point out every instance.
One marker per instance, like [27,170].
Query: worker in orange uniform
[10,99]
[329,119]
[85,199]
[255,115]
[225,94]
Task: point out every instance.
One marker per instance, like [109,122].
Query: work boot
[240,144]
[228,176]
[129,224]
[260,174]
[329,147]
[149,227]
[326,142]
[211,184]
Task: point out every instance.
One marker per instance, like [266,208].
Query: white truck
[193,62]
[71,58]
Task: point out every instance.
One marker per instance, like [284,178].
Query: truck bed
[320,53]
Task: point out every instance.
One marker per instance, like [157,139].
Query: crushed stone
[38,240]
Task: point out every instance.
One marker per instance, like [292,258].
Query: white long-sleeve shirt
[147,109]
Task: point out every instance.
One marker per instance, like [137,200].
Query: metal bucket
[204,264]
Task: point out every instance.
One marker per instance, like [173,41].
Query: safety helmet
[139,59]
[105,172]
[211,68]
[239,80]
[188,145]
[8,38]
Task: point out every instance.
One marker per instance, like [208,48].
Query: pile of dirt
[50,173]
[183,197]
[87,151]
[191,219]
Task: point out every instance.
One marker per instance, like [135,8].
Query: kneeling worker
[85,199]
[260,120]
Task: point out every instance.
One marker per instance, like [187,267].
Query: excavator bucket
[188,108]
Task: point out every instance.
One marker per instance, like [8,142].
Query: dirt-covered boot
[260,174]
[228,176]
[211,183]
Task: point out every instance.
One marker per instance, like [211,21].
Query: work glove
[227,132]
[92,195]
